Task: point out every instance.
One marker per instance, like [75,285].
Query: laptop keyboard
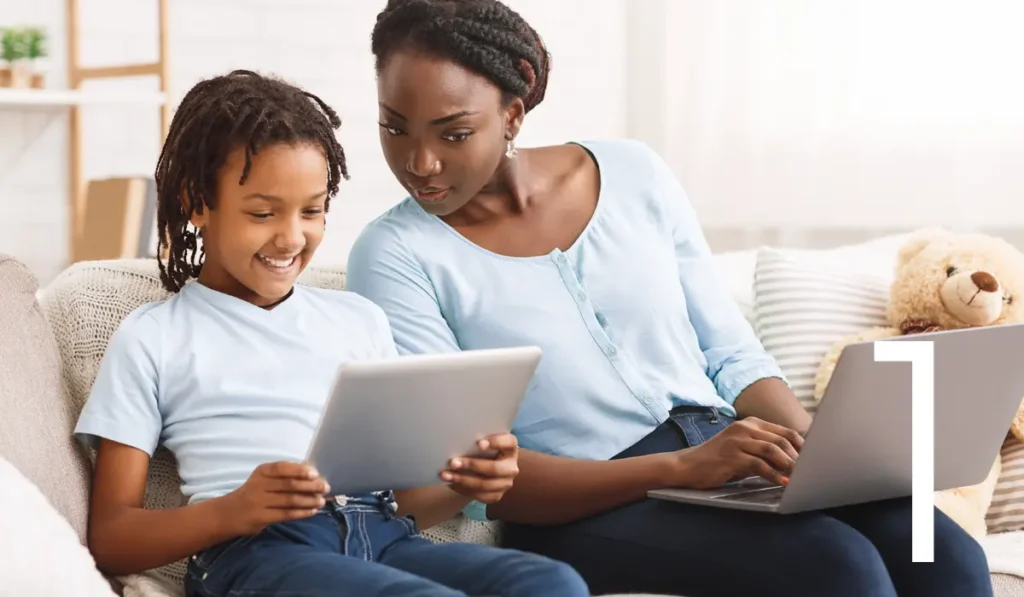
[770,495]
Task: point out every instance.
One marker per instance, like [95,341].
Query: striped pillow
[1007,510]
[804,301]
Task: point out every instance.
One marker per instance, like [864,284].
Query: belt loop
[714,415]
[390,503]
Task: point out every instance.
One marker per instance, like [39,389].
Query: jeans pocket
[205,560]
[410,524]
[720,422]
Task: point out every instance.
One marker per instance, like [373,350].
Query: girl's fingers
[485,468]
[295,501]
[503,442]
[293,485]
[478,484]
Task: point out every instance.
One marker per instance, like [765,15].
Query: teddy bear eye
[950,271]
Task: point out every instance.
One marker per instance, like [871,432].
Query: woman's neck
[510,191]
[508,185]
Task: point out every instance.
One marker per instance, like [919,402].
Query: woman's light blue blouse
[633,318]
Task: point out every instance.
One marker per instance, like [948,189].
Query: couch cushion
[43,555]
[804,302]
[1006,585]
[85,304]
[737,269]
[1007,510]
[36,416]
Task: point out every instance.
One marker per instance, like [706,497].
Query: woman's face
[444,129]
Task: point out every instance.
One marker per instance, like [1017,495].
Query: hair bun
[485,36]
[538,81]
[409,9]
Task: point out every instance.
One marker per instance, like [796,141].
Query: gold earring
[510,149]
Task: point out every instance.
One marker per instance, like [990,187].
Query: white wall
[846,113]
[788,121]
[320,44]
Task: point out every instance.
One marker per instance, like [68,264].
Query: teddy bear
[945,280]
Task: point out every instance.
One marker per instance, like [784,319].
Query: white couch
[47,366]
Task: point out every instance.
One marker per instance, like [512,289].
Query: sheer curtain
[842,112]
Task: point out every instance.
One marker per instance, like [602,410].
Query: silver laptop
[858,448]
[395,423]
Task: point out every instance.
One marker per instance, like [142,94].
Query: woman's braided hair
[484,36]
[240,109]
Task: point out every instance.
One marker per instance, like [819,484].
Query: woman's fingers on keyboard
[768,473]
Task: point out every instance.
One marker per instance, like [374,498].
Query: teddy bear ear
[917,242]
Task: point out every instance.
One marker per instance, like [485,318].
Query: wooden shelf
[76,98]
[29,98]
[74,101]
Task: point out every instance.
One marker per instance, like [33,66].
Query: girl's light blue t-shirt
[633,318]
[225,385]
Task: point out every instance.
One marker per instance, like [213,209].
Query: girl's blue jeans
[363,549]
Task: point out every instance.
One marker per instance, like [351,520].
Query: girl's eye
[390,129]
[261,216]
[458,136]
[313,212]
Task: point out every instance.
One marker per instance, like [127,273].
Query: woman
[650,376]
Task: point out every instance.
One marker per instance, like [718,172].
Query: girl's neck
[216,278]
[280,300]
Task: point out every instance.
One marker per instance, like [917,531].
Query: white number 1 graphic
[920,355]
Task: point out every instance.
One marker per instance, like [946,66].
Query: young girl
[651,376]
[232,371]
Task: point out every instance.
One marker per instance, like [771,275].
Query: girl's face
[263,233]
[444,129]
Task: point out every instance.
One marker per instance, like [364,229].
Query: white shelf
[29,98]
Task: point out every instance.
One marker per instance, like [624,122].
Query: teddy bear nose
[985,281]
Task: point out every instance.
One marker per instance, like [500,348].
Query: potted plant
[36,52]
[5,67]
[14,52]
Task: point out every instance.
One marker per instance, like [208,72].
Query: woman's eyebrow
[436,121]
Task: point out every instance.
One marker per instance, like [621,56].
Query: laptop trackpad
[744,485]
[766,495]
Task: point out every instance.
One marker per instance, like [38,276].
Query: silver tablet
[395,423]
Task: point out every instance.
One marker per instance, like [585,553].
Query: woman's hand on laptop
[486,479]
[749,447]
